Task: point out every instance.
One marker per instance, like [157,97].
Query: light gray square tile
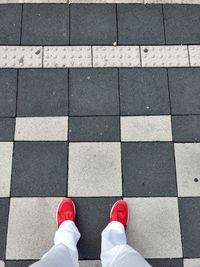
[191,262]
[95,169]
[188,169]
[146,128]
[6,150]
[154,228]
[89,264]
[31,227]
[41,129]
[2,264]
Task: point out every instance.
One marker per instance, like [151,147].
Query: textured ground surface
[100,134]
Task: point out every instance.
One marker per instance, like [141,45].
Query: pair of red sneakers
[67,211]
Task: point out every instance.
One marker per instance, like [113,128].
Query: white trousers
[114,249]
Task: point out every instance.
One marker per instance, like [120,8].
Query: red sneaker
[119,213]
[66,211]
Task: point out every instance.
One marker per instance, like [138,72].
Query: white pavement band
[101,1]
[99,56]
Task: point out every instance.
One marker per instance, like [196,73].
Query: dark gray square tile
[46,24]
[166,262]
[19,263]
[39,169]
[93,24]
[148,169]
[186,128]
[4,209]
[8,91]
[189,209]
[94,128]
[184,85]
[7,129]
[10,24]
[89,245]
[182,24]
[140,24]
[43,92]
[93,92]
[144,91]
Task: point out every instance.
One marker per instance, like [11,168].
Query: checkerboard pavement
[99,135]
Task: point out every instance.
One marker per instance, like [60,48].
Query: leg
[114,249]
[115,252]
[64,253]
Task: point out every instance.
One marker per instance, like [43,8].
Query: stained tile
[144,91]
[92,24]
[46,24]
[8,87]
[6,152]
[94,129]
[184,90]
[181,24]
[89,245]
[189,209]
[7,129]
[154,228]
[43,92]
[140,24]
[148,169]
[31,242]
[39,169]
[10,24]
[93,92]
[188,169]
[94,165]
[186,128]
[4,206]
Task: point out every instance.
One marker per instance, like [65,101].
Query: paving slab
[190,225]
[41,129]
[8,85]
[39,169]
[2,264]
[144,91]
[36,240]
[186,128]
[93,92]
[67,56]
[140,24]
[45,24]
[181,24]
[148,169]
[93,129]
[191,262]
[4,209]
[52,100]
[18,263]
[6,152]
[10,24]
[93,24]
[194,54]
[184,90]
[7,129]
[188,169]
[154,228]
[116,56]
[96,164]
[165,56]
[146,128]
[90,263]
[166,262]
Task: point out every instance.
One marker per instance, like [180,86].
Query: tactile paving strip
[20,56]
[116,56]
[164,56]
[194,52]
[67,57]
